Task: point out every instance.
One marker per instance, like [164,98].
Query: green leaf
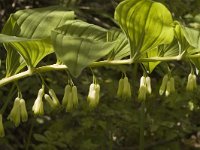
[165,50]
[40,138]
[192,36]
[30,32]
[122,47]
[147,24]
[78,44]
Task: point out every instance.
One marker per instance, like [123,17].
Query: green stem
[29,136]
[32,71]
[142,118]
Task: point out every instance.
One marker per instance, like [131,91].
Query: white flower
[124,89]
[14,115]
[163,85]
[192,83]
[38,108]
[93,95]
[54,98]
[23,111]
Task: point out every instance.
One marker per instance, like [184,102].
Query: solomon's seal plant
[144,36]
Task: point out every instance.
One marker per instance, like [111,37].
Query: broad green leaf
[165,50]
[147,24]
[78,44]
[30,32]
[192,36]
[122,47]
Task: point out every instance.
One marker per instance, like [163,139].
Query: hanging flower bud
[69,105]
[93,95]
[23,111]
[142,89]
[50,101]
[172,85]
[54,98]
[2,132]
[163,85]
[14,115]
[168,88]
[66,96]
[148,84]
[38,108]
[74,96]
[192,83]
[126,89]
[120,88]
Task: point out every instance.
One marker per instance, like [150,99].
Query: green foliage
[147,35]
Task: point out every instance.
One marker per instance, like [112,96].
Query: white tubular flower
[163,85]
[50,101]
[38,108]
[74,96]
[69,105]
[93,95]
[66,97]
[14,115]
[192,82]
[168,88]
[120,88]
[2,132]
[148,84]
[54,98]
[143,89]
[23,111]
[172,85]
[126,90]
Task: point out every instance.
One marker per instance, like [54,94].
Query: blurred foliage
[171,123]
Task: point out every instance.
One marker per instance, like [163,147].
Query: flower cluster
[145,87]
[93,95]
[167,85]
[18,112]
[124,89]
[70,98]
[192,82]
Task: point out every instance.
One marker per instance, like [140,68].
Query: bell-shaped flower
[49,101]
[148,84]
[38,107]
[70,98]
[192,83]
[124,89]
[54,98]
[74,96]
[168,88]
[23,111]
[143,89]
[163,84]
[2,132]
[66,97]
[93,95]
[120,88]
[172,85]
[14,115]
